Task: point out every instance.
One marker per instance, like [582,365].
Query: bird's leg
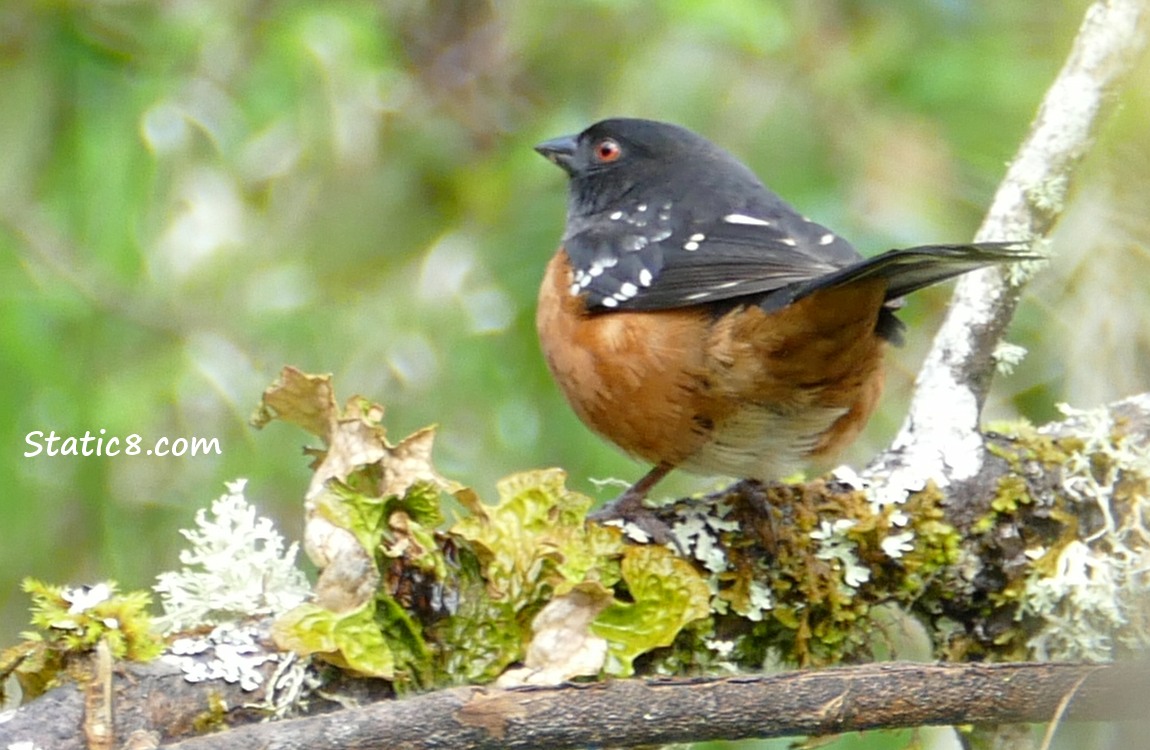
[629,507]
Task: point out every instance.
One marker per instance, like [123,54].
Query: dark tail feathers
[908,271]
[912,269]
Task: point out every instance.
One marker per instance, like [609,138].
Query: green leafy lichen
[351,640]
[667,593]
[380,637]
[532,545]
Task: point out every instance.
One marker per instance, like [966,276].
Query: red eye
[607,150]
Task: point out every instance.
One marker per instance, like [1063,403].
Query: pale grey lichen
[896,545]
[294,679]
[236,567]
[892,492]
[237,654]
[698,534]
[1018,274]
[230,652]
[723,650]
[836,547]
[759,602]
[81,599]
[1093,597]
[1007,356]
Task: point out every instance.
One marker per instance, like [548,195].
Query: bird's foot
[630,513]
[629,509]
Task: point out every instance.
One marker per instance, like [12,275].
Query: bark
[155,704]
[631,712]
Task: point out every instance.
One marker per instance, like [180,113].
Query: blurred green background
[194,193]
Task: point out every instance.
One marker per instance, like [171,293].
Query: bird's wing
[653,264]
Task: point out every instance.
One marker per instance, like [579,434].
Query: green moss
[69,624]
[215,718]
[1012,492]
[826,561]
[1026,443]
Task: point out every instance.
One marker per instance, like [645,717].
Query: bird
[697,321]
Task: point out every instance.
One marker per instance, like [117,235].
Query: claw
[629,509]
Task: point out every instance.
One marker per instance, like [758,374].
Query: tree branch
[630,712]
[155,698]
[939,439]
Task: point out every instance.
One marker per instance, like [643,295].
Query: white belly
[761,443]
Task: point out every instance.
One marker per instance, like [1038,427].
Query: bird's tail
[912,269]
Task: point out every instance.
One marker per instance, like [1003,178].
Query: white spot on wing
[697,295]
[610,302]
[628,289]
[744,219]
[728,285]
[595,270]
[575,289]
[691,246]
[615,216]
[698,237]
[645,277]
[641,207]
[788,241]
[826,239]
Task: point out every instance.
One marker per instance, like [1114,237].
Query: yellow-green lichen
[379,637]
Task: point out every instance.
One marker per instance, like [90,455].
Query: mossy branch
[551,605]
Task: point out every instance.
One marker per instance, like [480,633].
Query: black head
[646,160]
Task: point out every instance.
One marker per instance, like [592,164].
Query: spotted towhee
[699,322]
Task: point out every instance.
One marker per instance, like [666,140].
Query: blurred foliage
[194,193]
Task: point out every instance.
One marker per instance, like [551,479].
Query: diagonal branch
[939,438]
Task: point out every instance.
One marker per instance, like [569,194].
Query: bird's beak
[560,151]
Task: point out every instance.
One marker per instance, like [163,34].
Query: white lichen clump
[836,547]
[698,533]
[1007,357]
[236,567]
[883,501]
[1094,603]
[229,653]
